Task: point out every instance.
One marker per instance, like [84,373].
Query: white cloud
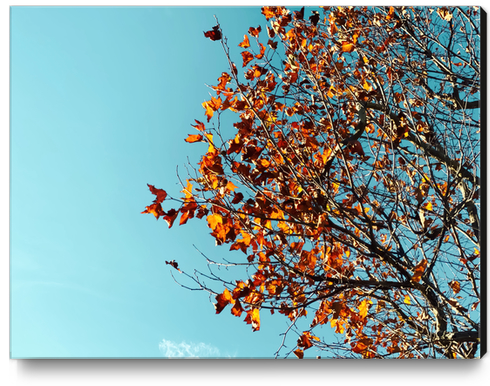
[188,350]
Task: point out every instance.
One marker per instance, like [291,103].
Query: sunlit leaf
[194,138]
[245,43]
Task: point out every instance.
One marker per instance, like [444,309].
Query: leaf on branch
[444,14]
[194,138]
[170,217]
[455,286]
[315,18]
[255,31]
[299,15]
[347,47]
[299,353]
[199,125]
[223,300]
[237,308]
[272,44]
[213,220]
[268,12]
[419,270]
[155,209]
[245,43]
[247,58]
[261,54]
[174,264]
[160,193]
[253,318]
[214,34]
[363,307]
[304,340]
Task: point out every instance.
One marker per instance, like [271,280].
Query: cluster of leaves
[351,183]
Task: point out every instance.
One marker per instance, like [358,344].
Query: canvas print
[246,182]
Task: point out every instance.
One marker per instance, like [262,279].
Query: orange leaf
[247,57]
[199,126]
[230,186]
[209,111]
[154,209]
[299,353]
[245,43]
[268,12]
[253,317]
[419,270]
[262,51]
[194,138]
[184,217]
[455,286]
[223,300]
[254,31]
[347,47]
[237,308]
[304,341]
[214,220]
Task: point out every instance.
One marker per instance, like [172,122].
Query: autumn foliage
[350,182]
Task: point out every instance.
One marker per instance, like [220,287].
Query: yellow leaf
[188,190]
[347,47]
[428,206]
[230,186]
[367,86]
[363,307]
[214,220]
[407,299]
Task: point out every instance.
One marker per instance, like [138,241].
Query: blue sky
[101,102]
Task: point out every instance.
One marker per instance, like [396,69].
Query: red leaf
[238,197]
[213,34]
[170,217]
[160,193]
[155,209]
[255,31]
[247,57]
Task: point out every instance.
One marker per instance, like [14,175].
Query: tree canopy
[350,179]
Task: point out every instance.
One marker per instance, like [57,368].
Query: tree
[351,180]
